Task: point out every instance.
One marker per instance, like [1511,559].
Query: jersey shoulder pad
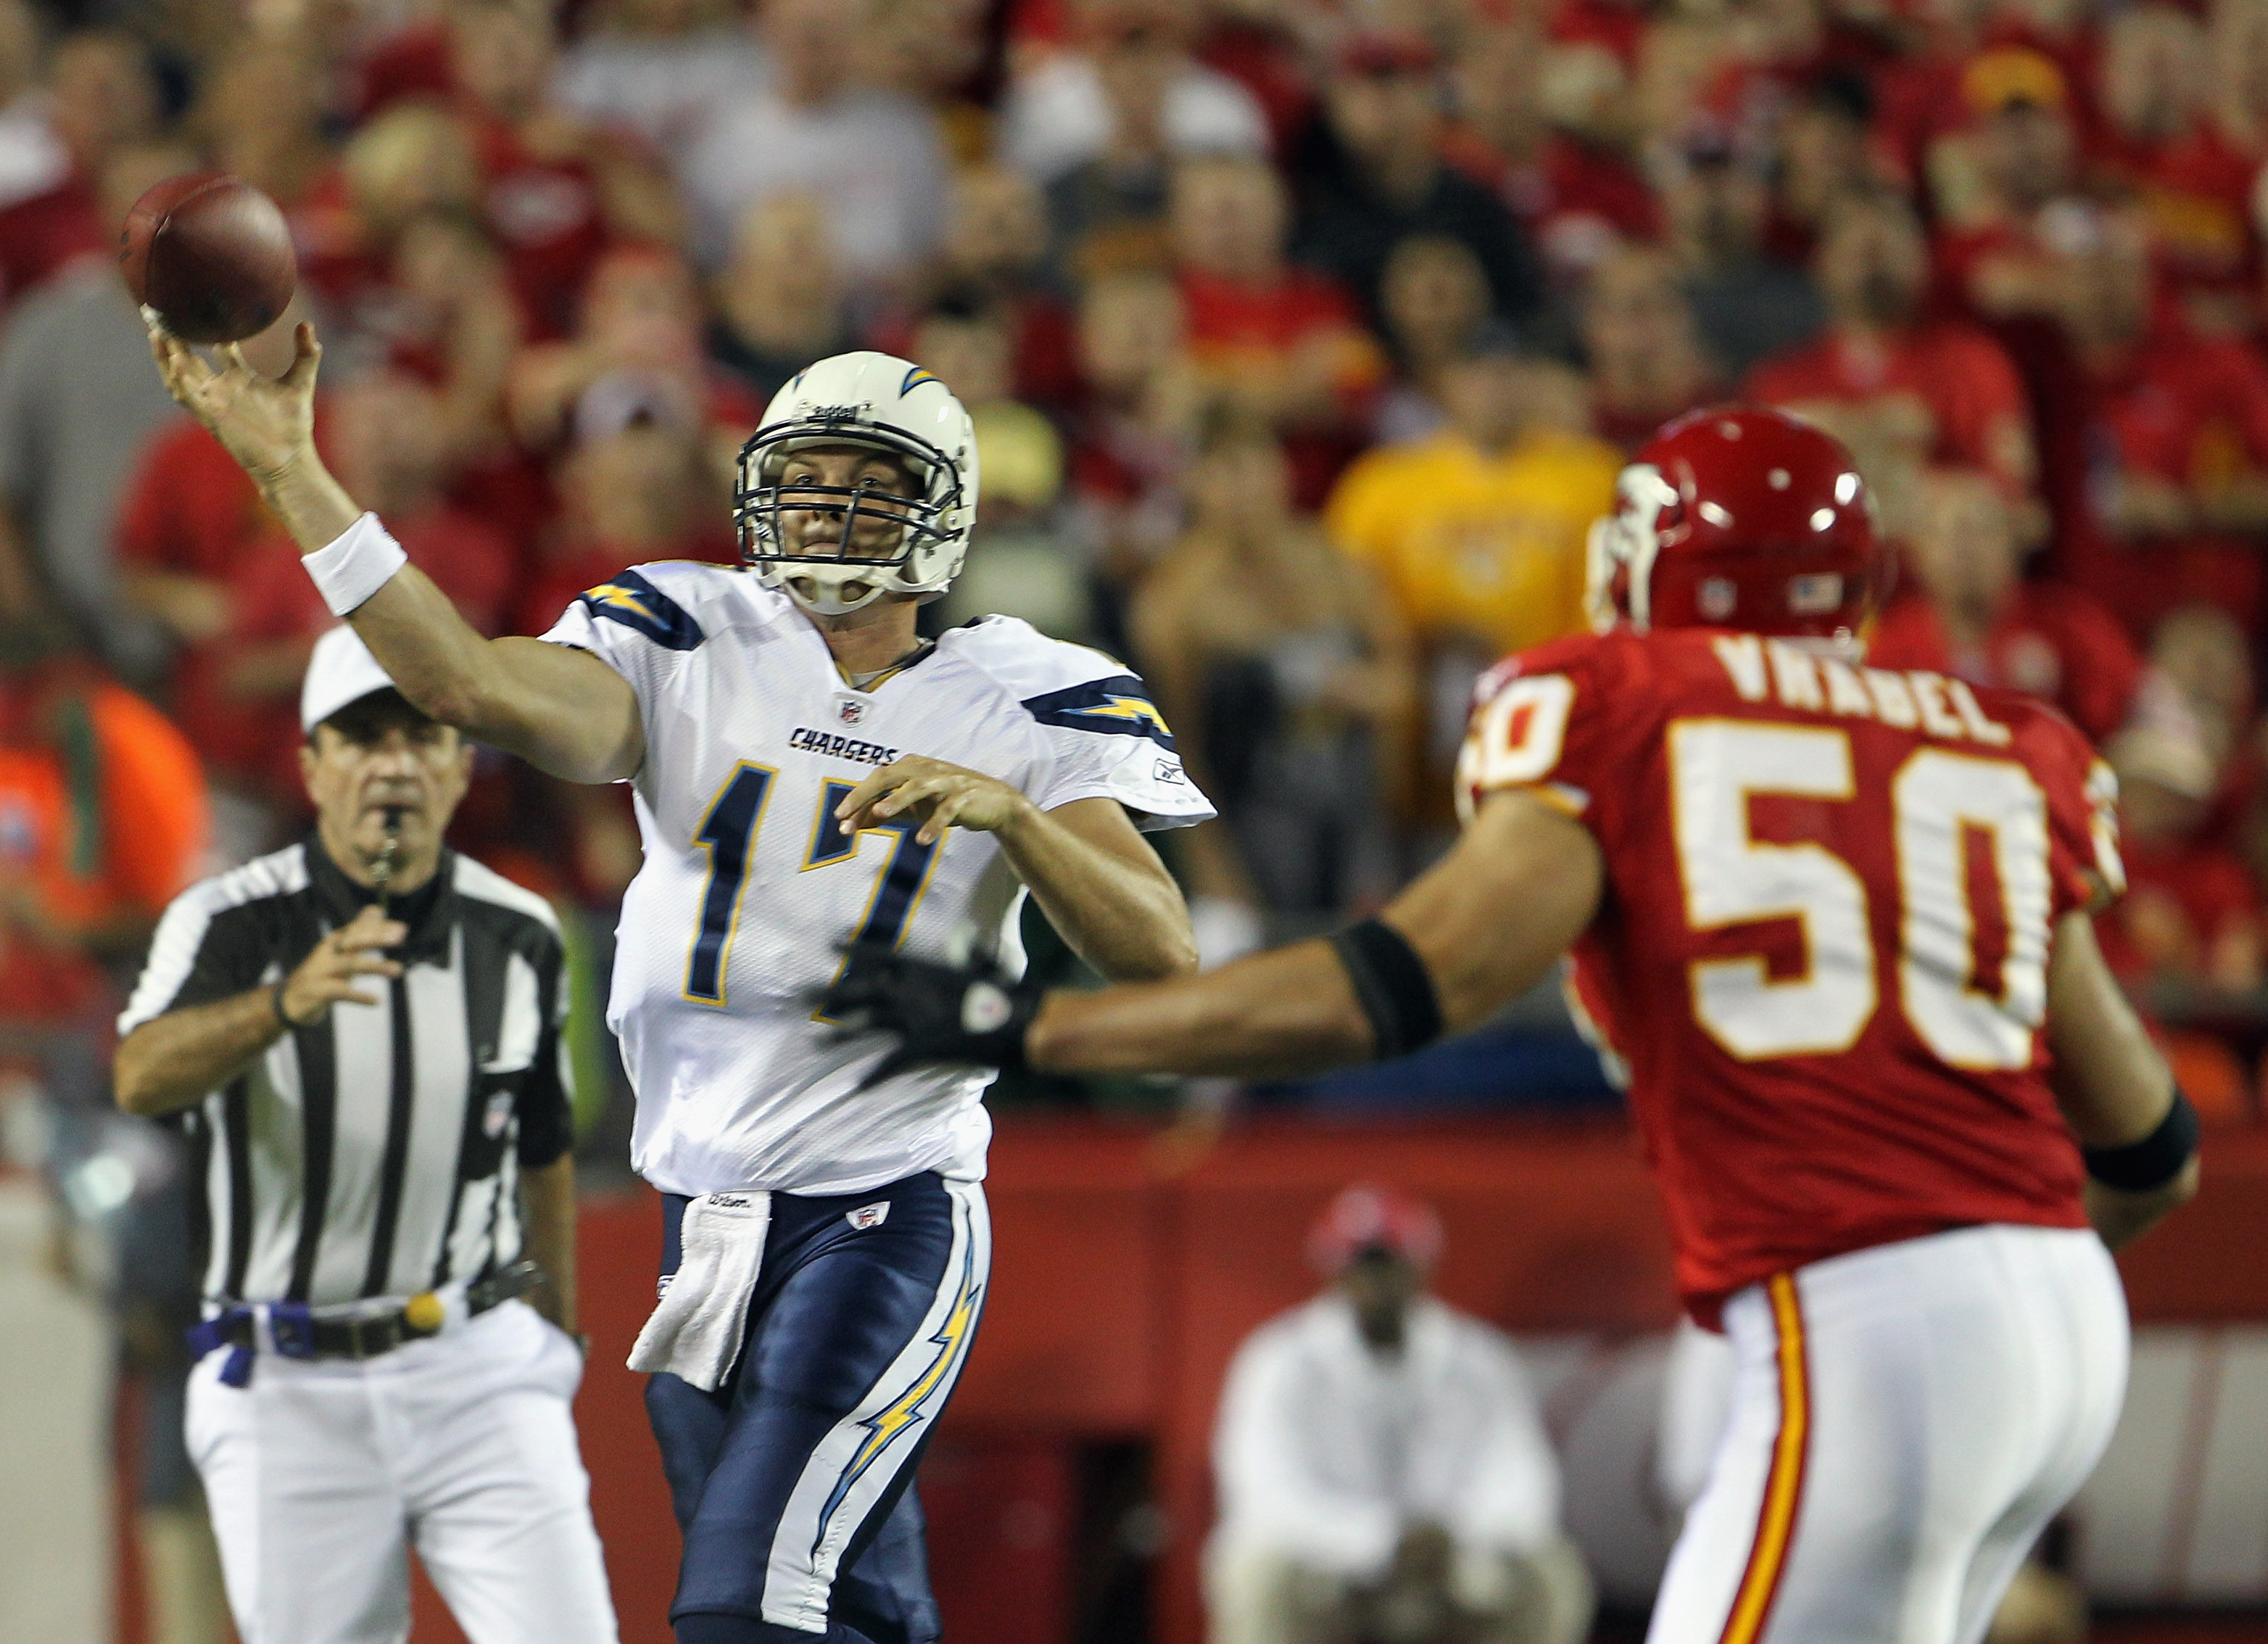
[676,603]
[2080,788]
[2039,732]
[1558,719]
[1585,658]
[1058,683]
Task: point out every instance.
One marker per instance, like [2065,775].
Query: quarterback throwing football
[1834,922]
[808,774]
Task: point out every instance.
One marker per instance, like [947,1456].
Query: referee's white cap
[340,671]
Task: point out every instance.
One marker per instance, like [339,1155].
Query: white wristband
[354,565]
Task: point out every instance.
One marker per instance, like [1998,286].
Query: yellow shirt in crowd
[1490,546]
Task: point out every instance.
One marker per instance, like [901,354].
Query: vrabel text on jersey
[1914,700]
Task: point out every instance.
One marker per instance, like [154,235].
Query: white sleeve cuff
[355,565]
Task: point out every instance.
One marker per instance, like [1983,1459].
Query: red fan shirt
[2052,642]
[1822,952]
[1962,386]
[2193,412]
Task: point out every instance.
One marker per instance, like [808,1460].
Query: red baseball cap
[1367,1217]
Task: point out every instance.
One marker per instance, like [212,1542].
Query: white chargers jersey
[750,892]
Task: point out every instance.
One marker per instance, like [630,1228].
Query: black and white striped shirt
[376,1152]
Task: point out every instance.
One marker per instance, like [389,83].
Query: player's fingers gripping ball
[970,1013]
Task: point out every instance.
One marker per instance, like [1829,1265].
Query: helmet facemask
[835,578]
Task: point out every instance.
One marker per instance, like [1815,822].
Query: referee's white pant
[320,1472]
[1905,1420]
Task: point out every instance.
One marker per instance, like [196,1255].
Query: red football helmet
[1738,517]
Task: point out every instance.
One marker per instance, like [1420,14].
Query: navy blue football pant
[791,1481]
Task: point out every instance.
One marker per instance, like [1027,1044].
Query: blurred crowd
[1303,338]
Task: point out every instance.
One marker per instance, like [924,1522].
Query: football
[212,255]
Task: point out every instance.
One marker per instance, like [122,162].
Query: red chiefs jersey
[1822,955]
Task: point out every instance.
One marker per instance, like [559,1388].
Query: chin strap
[830,602]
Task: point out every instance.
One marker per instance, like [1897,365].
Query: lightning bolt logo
[630,599]
[882,1429]
[1133,709]
[1120,705]
[621,599]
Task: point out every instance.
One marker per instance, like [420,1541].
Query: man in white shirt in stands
[1381,1466]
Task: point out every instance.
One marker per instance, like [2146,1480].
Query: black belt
[299,1336]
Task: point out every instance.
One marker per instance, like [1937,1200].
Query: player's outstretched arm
[563,711]
[2116,1093]
[1488,922]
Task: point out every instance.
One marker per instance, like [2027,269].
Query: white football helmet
[888,404]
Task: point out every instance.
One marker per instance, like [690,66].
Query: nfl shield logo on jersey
[868,1215]
[850,710]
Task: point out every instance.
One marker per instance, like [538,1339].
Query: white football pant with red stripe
[1905,1420]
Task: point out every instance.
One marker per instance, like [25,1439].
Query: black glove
[940,1013]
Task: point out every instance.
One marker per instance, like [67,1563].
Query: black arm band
[1392,986]
[2157,1159]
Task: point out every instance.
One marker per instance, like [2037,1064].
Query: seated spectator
[2152,81]
[1279,342]
[1477,533]
[107,821]
[1018,563]
[936,53]
[2219,169]
[778,307]
[993,258]
[1374,173]
[454,325]
[1380,1462]
[461,121]
[259,114]
[555,192]
[1972,616]
[1901,391]
[2201,655]
[1130,436]
[1435,299]
[1825,151]
[1562,174]
[2175,502]
[1130,68]
[641,324]
[658,69]
[872,158]
[1747,304]
[413,162]
[1107,208]
[2192,913]
[78,399]
[1291,684]
[32,156]
[102,93]
[635,487]
[2004,186]
[1647,364]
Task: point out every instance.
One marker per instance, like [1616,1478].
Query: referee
[362,1033]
